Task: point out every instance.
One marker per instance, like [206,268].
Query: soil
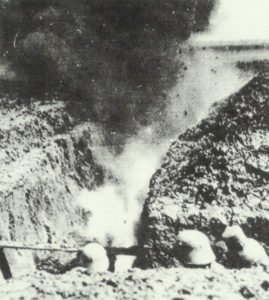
[215,174]
[172,284]
[46,159]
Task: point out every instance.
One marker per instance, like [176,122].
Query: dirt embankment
[215,174]
[46,159]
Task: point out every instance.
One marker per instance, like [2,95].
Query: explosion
[130,66]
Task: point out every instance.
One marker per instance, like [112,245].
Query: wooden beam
[112,250]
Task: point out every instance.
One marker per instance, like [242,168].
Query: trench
[210,76]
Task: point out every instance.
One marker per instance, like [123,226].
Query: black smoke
[114,58]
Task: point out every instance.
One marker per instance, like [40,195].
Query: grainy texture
[46,160]
[216,173]
[174,284]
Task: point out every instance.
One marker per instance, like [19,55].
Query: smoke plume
[128,65]
[116,205]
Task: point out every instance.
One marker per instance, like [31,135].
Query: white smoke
[116,206]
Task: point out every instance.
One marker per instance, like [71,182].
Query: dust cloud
[116,206]
[209,75]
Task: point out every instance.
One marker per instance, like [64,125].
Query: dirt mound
[46,159]
[215,174]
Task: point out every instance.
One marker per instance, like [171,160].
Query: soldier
[93,256]
[194,249]
[243,251]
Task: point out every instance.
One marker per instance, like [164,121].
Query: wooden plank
[112,250]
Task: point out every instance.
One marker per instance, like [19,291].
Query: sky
[238,20]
